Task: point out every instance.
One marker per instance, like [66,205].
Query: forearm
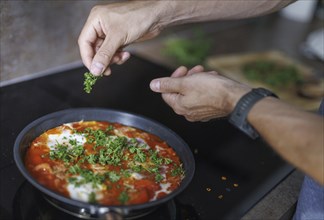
[295,134]
[180,12]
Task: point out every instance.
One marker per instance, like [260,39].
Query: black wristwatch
[242,108]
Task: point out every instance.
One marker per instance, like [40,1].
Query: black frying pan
[87,210]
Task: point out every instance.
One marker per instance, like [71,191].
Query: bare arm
[109,28]
[295,134]
[179,12]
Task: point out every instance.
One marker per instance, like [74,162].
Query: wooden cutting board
[232,65]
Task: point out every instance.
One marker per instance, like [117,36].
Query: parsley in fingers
[89,81]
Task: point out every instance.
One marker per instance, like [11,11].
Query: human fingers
[173,100]
[86,42]
[180,71]
[183,71]
[196,69]
[167,85]
[98,44]
[119,58]
[104,55]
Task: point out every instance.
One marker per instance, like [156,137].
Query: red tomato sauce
[120,164]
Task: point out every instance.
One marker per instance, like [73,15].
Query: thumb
[167,85]
[104,56]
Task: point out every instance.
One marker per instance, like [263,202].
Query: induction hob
[232,173]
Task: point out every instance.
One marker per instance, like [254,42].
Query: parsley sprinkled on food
[105,163]
[89,81]
[123,197]
[92,197]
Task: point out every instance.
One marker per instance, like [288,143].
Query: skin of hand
[109,28]
[198,95]
[295,134]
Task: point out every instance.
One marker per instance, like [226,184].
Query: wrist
[240,113]
[234,97]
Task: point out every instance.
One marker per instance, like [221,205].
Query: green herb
[73,180]
[140,156]
[153,169]
[110,128]
[167,161]
[77,151]
[92,198]
[136,168]
[113,176]
[111,150]
[156,159]
[177,170]
[87,176]
[272,73]
[113,146]
[132,149]
[89,81]
[92,158]
[66,154]
[158,177]
[126,173]
[75,169]
[188,52]
[123,197]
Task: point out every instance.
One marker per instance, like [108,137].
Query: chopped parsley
[89,81]
[95,161]
[65,153]
[177,170]
[87,176]
[158,177]
[137,168]
[92,198]
[75,169]
[113,176]
[123,197]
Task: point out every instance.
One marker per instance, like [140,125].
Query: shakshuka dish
[104,163]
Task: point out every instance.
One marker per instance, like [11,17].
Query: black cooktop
[233,172]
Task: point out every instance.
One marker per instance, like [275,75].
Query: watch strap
[239,115]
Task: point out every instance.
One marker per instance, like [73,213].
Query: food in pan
[104,163]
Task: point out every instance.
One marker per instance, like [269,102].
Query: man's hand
[198,95]
[111,27]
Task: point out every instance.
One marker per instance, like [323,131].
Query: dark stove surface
[232,171]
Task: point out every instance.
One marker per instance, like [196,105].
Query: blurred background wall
[40,35]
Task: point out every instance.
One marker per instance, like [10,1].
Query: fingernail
[155,86]
[97,68]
